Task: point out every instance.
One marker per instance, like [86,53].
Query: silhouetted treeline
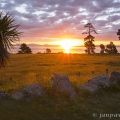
[110,48]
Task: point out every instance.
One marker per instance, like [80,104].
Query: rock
[3,94]
[115,77]
[62,84]
[18,95]
[88,87]
[96,83]
[32,90]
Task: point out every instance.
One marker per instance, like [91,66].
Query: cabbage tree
[9,34]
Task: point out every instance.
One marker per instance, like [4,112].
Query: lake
[55,48]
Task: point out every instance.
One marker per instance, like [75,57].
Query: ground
[25,69]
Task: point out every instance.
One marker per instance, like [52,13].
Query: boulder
[115,77]
[32,90]
[3,94]
[18,95]
[62,84]
[96,83]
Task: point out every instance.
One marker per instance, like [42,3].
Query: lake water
[56,49]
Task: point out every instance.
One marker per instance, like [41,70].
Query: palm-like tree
[9,33]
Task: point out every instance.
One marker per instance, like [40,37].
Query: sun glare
[67,44]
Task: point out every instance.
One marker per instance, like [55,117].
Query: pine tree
[88,41]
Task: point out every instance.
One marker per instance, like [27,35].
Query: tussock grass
[32,68]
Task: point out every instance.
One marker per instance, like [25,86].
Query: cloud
[59,18]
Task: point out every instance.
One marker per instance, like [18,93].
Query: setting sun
[67,44]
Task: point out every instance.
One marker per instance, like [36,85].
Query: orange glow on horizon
[67,44]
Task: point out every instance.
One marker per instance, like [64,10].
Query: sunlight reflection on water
[42,49]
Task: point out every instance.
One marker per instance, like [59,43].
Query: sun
[67,44]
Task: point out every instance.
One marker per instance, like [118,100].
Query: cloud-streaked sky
[46,21]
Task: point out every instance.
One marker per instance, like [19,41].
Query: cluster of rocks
[101,81]
[61,84]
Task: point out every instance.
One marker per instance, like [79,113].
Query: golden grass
[29,68]
[22,70]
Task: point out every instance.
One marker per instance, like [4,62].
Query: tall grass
[26,69]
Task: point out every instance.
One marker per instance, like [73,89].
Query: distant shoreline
[55,48]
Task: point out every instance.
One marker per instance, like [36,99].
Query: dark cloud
[54,18]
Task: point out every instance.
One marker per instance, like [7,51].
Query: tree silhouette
[118,33]
[111,48]
[89,44]
[88,41]
[48,50]
[24,49]
[102,48]
[9,34]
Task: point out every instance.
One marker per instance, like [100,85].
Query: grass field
[22,70]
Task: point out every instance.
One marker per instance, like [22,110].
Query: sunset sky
[49,21]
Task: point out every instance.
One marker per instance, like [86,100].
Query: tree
[9,33]
[111,48]
[102,48]
[24,49]
[88,41]
[48,50]
[89,44]
[118,33]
